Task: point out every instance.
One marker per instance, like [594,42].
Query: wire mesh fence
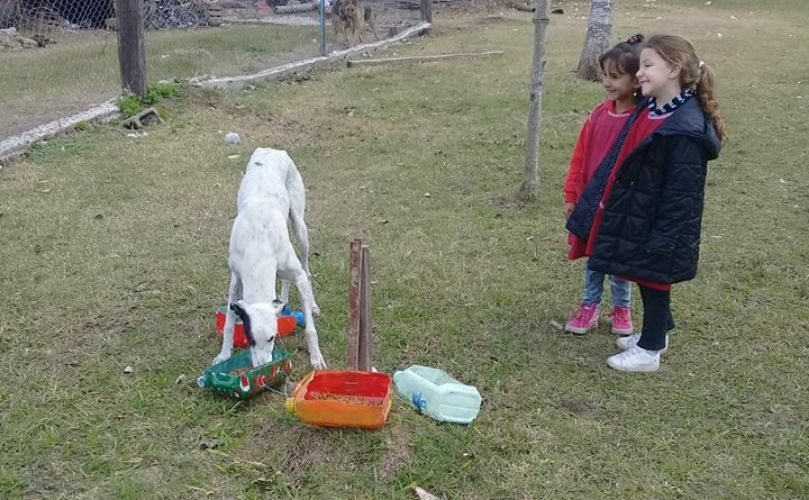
[59,57]
[56,58]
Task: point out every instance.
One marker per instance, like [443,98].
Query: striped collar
[670,106]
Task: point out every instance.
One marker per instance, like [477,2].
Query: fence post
[131,46]
[427,11]
[322,23]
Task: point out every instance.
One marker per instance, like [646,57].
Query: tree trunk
[530,183]
[597,40]
[131,48]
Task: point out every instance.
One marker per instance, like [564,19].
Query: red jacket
[597,136]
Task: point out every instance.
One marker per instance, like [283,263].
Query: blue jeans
[594,288]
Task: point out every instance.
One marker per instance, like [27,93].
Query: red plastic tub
[286,326]
[343,399]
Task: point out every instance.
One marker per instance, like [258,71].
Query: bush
[131,105]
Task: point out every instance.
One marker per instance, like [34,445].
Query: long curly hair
[694,74]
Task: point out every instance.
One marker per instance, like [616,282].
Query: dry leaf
[424,494]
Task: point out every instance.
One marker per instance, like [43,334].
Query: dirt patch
[308,448]
[397,454]
[580,408]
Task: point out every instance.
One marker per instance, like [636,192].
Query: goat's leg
[234,294]
[307,300]
[299,227]
[284,297]
[297,207]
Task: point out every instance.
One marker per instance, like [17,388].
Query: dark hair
[625,55]
[694,74]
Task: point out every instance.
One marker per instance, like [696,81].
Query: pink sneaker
[621,320]
[583,320]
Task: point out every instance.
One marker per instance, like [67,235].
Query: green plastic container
[237,378]
[437,395]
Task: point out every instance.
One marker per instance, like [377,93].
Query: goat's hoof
[315,310]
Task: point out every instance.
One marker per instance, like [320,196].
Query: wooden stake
[419,59]
[354,297]
[366,326]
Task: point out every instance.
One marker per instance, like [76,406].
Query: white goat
[271,192]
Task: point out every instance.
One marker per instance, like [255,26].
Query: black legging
[657,320]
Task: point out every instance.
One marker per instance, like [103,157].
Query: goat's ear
[278,307]
[239,307]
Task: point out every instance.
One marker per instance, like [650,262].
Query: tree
[597,40]
[131,48]
[530,183]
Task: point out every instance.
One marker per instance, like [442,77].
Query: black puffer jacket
[650,228]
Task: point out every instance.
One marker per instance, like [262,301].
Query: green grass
[114,253]
[38,85]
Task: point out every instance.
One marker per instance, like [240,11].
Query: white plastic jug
[438,395]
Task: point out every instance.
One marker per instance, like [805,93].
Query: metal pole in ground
[427,11]
[322,27]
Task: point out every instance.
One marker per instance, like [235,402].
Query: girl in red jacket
[597,136]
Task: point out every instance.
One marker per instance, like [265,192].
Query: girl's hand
[568,209]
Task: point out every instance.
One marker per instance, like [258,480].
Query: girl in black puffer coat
[643,222]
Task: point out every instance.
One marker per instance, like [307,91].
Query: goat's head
[260,323]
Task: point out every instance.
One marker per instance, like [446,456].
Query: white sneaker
[635,359]
[630,341]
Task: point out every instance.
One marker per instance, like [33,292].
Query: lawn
[81,69]
[114,253]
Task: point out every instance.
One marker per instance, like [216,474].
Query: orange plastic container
[342,399]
